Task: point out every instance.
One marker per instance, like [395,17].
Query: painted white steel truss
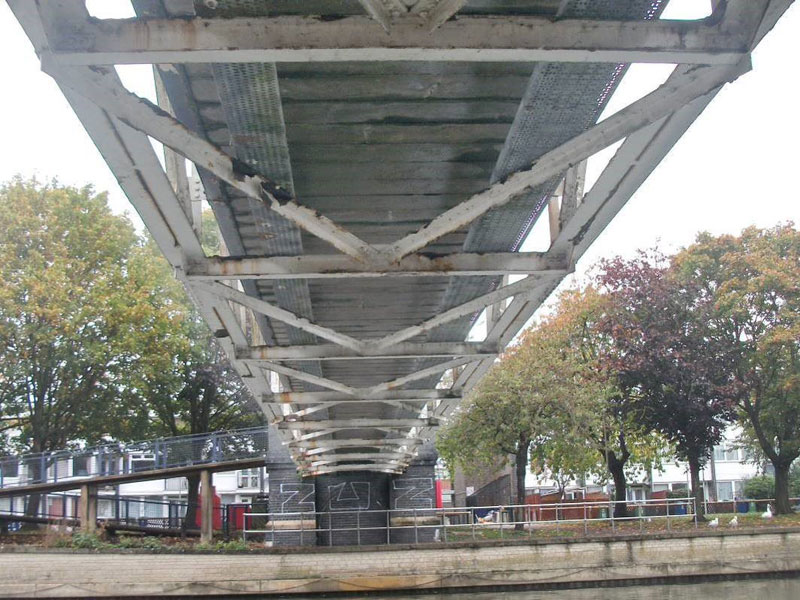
[79,53]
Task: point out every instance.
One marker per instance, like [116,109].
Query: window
[679,487]
[142,462]
[635,494]
[724,491]
[726,454]
[719,452]
[80,465]
[660,487]
[9,467]
[248,478]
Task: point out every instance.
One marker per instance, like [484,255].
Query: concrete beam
[469,38]
[339,266]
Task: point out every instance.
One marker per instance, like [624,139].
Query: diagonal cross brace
[671,96]
[100,86]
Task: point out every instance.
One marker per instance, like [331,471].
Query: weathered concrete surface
[62,574]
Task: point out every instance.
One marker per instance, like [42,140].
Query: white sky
[735,167]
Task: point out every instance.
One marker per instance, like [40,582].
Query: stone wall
[435,567]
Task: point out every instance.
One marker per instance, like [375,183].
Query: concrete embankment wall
[73,574]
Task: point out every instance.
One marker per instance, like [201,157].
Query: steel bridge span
[374,166]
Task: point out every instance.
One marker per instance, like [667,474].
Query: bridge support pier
[87,508]
[206,507]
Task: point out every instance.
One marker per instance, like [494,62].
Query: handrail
[116,458]
[435,524]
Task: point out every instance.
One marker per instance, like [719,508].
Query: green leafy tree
[201,394]
[606,419]
[752,283]
[85,318]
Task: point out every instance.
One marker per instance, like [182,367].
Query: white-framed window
[142,461]
[247,478]
[635,494]
[725,453]
[724,491]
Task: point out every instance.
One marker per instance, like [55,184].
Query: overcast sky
[735,167]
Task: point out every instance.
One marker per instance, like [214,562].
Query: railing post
[358,528]
[206,507]
[416,530]
[42,468]
[585,522]
[669,523]
[613,508]
[214,448]
[472,520]
[87,508]
[388,527]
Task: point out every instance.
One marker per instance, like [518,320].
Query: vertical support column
[292,499]
[87,508]
[206,507]
[414,494]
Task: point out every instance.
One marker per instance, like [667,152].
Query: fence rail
[456,524]
[150,514]
[134,457]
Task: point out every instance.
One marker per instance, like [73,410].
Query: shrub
[759,488]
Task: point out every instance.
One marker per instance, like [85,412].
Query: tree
[606,420]
[495,422]
[667,360]
[752,283]
[201,394]
[84,318]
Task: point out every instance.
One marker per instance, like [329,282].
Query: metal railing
[120,458]
[415,525]
[58,507]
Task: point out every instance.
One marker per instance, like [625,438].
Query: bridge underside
[374,167]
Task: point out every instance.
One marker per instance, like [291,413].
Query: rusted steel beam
[721,40]
[389,395]
[336,352]
[340,424]
[339,267]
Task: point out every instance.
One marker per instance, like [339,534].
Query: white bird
[734,522]
[715,523]
[768,513]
